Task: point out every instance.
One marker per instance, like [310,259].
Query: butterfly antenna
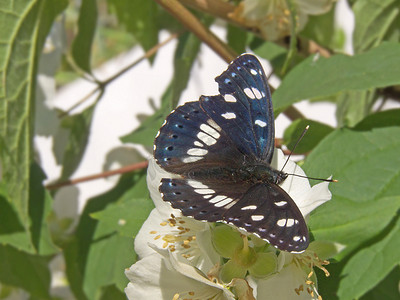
[295,145]
[321,179]
[302,176]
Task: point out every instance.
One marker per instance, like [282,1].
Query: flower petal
[154,175]
[163,276]
[283,286]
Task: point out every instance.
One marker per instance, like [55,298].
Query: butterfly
[222,148]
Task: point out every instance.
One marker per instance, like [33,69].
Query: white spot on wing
[204,191]
[230,205]
[223,202]
[154,147]
[197,151]
[260,123]
[249,93]
[197,184]
[229,98]
[213,124]
[206,139]
[280,203]
[209,130]
[254,72]
[296,238]
[198,144]
[217,199]
[290,222]
[191,159]
[229,115]
[256,93]
[257,217]
[249,207]
[281,222]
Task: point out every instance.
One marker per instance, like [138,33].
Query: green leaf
[237,38]
[373,19]
[79,128]
[353,106]
[147,130]
[272,52]
[385,118]
[26,271]
[98,254]
[82,44]
[140,18]
[111,292]
[25,24]
[322,77]
[311,139]
[12,231]
[186,53]
[120,218]
[387,289]
[366,197]
[40,207]
[370,265]
[320,28]
[113,239]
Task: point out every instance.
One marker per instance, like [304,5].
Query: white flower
[307,198]
[272,17]
[178,261]
[163,276]
[295,278]
[167,228]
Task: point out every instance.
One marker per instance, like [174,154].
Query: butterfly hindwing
[269,212]
[265,210]
[203,201]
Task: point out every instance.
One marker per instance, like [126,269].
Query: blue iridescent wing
[262,209]
[190,139]
[244,107]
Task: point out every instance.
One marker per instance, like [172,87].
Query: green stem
[293,38]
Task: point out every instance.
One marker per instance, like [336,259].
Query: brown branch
[126,169]
[102,84]
[193,24]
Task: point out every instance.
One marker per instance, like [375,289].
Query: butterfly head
[279,177]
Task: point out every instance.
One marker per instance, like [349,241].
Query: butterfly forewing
[190,139]
[245,82]
[222,147]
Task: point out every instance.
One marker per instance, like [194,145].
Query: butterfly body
[222,148]
[248,173]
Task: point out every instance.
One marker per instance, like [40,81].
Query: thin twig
[193,24]
[126,169]
[102,84]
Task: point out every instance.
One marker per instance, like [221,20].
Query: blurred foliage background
[306,51]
